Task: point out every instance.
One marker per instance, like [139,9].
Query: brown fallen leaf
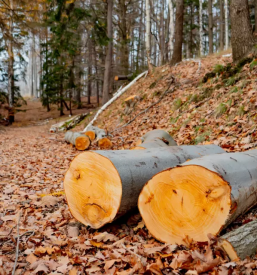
[31,258]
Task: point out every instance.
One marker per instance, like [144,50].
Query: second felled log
[202,196]
[80,141]
[103,185]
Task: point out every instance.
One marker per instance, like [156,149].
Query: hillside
[220,111]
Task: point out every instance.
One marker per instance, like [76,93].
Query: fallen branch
[116,96]
[148,108]
[17,246]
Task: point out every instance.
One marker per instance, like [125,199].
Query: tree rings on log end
[185,201]
[82,143]
[104,143]
[93,189]
[91,135]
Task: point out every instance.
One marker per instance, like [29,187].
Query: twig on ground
[148,108]
[17,246]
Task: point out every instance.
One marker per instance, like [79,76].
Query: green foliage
[152,85]
[218,69]
[230,81]
[202,137]
[221,109]
[241,111]
[234,90]
[253,64]
[177,103]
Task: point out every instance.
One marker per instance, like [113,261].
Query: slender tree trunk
[255,13]
[191,31]
[171,27]
[139,36]
[89,76]
[210,26]
[201,28]
[32,69]
[177,54]
[162,32]
[124,42]
[226,25]
[221,25]
[148,35]
[47,97]
[242,39]
[108,60]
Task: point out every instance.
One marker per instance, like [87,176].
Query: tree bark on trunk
[226,25]
[204,195]
[89,75]
[221,23]
[148,35]
[210,26]
[255,14]
[108,60]
[201,28]
[103,185]
[80,141]
[177,54]
[171,27]
[242,39]
[240,243]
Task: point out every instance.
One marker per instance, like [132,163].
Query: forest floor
[36,227]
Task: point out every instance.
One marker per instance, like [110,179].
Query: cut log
[240,243]
[100,133]
[123,77]
[104,143]
[91,135]
[103,185]
[151,144]
[80,141]
[67,124]
[157,134]
[202,196]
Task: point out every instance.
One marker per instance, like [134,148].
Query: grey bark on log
[100,133]
[131,168]
[71,137]
[240,171]
[240,243]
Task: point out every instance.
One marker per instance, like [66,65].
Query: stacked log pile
[83,140]
[182,192]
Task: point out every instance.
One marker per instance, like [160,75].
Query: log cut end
[229,249]
[93,189]
[185,201]
[82,143]
[104,143]
[91,135]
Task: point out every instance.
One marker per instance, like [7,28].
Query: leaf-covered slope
[220,111]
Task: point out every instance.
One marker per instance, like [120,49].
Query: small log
[202,196]
[103,185]
[240,243]
[156,138]
[104,143]
[91,135]
[100,133]
[80,141]
[123,77]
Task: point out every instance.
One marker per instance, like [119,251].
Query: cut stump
[103,185]
[202,196]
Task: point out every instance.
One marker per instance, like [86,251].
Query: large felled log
[160,137]
[240,243]
[200,197]
[103,185]
[80,141]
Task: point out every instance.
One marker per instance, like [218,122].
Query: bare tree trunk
[201,28]
[148,35]
[255,13]
[32,68]
[210,26]
[171,27]
[221,25]
[108,60]
[177,54]
[191,31]
[226,26]
[89,75]
[242,39]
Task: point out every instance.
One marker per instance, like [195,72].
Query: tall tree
[226,25]
[210,2]
[148,34]
[255,14]
[107,88]
[221,23]
[171,27]
[177,54]
[201,28]
[242,38]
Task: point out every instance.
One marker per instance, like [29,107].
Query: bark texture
[103,185]
[148,35]
[210,26]
[100,133]
[241,242]
[221,23]
[201,28]
[80,141]
[171,27]
[226,25]
[242,39]
[177,54]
